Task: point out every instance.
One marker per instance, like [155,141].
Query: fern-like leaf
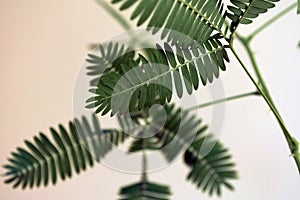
[209,170]
[106,60]
[244,11]
[210,162]
[203,16]
[145,190]
[171,135]
[43,160]
[151,75]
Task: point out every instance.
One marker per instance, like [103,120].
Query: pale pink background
[42,47]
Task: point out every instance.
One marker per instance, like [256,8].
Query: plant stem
[292,142]
[261,86]
[271,21]
[261,82]
[114,14]
[144,166]
[144,153]
[223,100]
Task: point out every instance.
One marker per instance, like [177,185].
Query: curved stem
[114,14]
[272,20]
[292,142]
[223,100]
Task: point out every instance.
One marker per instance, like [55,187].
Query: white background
[42,47]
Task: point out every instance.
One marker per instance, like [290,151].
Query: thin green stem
[292,142]
[144,153]
[144,165]
[114,14]
[223,100]
[261,86]
[144,162]
[272,20]
[261,82]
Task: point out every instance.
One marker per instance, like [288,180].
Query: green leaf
[145,190]
[172,132]
[179,15]
[106,58]
[298,8]
[244,11]
[210,170]
[44,159]
[211,166]
[153,74]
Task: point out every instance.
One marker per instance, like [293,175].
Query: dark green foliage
[126,80]
[179,131]
[44,160]
[197,19]
[210,163]
[152,75]
[298,8]
[145,190]
[244,11]
[107,59]
[171,135]
[141,144]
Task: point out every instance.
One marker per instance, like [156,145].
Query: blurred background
[42,47]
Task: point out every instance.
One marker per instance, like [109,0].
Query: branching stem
[223,100]
[261,82]
[260,85]
[292,142]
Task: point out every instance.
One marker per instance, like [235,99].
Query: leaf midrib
[160,75]
[244,13]
[199,13]
[213,172]
[61,152]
